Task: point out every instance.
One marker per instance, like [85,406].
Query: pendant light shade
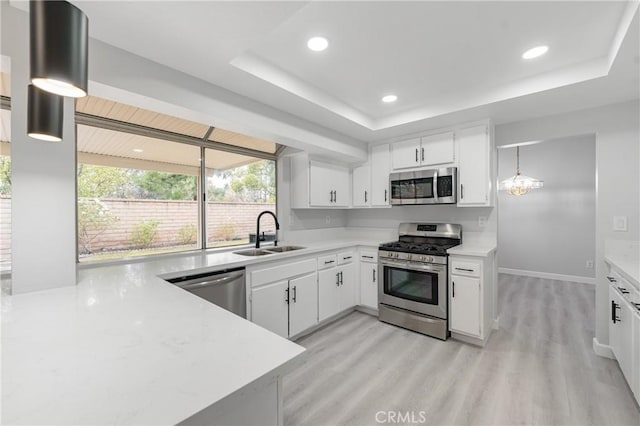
[520,184]
[44,117]
[59,42]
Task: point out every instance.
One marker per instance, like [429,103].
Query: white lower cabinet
[636,355]
[303,303]
[465,305]
[328,293]
[369,280]
[284,298]
[472,297]
[347,288]
[621,332]
[269,307]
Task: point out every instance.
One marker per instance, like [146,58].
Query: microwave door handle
[435,185]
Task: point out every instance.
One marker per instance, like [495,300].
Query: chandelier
[520,184]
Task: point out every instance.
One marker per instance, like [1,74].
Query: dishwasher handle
[210,283]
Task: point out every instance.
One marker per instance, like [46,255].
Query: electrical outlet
[327,219]
[482,221]
[620,223]
[589,264]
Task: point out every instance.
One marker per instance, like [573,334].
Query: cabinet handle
[337,279]
[422,154]
[365,196]
[368,257]
[347,257]
[385,195]
[331,196]
[623,290]
[453,290]
[614,318]
[341,282]
[416,155]
[294,294]
[461,191]
[286,295]
[374,275]
[464,269]
[327,262]
[612,280]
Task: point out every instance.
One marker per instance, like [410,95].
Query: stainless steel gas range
[412,289]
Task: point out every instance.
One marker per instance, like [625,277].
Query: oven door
[414,286]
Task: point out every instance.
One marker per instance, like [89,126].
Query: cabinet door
[369,285]
[320,184]
[406,154]
[473,166]
[465,305]
[270,309]
[437,149]
[626,342]
[361,186]
[380,175]
[636,354]
[341,186]
[303,303]
[347,288]
[614,324]
[328,293]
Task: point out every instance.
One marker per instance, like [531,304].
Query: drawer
[282,272]
[369,256]
[345,257]
[465,267]
[327,261]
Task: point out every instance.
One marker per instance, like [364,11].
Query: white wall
[617,129]
[550,230]
[43,208]
[392,217]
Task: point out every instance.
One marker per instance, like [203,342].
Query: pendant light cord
[517,160]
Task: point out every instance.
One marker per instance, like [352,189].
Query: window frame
[203,143]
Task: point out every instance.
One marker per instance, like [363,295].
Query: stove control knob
[409,257]
[430,258]
[423,258]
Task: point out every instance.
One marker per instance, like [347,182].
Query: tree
[5,175]
[94,218]
[167,186]
[255,182]
[102,181]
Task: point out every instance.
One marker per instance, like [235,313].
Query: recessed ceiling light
[317,44]
[138,150]
[535,52]
[389,98]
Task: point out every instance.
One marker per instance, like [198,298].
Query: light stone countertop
[125,347]
[475,244]
[625,257]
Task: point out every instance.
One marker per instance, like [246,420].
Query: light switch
[482,221]
[620,223]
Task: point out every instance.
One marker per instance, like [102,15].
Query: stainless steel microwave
[435,186]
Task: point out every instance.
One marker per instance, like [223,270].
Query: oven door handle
[414,266]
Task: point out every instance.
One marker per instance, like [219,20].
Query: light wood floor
[539,368]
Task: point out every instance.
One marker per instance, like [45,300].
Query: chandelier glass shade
[520,184]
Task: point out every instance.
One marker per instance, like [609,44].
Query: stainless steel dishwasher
[224,288]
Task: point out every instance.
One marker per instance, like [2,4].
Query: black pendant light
[59,42]
[44,116]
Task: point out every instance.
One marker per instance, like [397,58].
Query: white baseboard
[548,275]
[602,350]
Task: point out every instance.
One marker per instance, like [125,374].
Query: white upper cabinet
[426,151]
[474,167]
[362,186]
[406,154]
[318,184]
[437,149]
[380,175]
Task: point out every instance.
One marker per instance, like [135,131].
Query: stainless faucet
[275,243]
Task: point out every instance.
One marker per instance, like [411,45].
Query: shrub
[187,234]
[94,218]
[145,233]
[226,231]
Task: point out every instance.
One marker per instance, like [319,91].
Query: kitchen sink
[283,249]
[253,252]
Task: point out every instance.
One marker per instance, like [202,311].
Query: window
[239,187]
[5,182]
[139,183]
